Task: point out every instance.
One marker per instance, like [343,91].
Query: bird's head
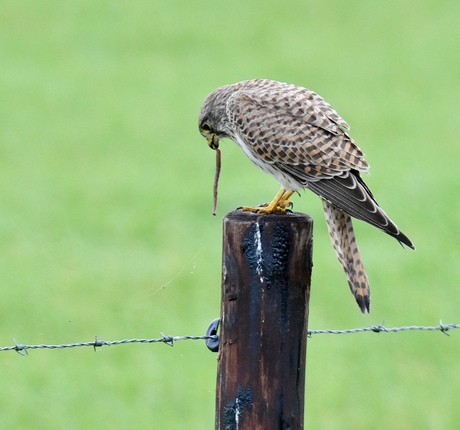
[213,120]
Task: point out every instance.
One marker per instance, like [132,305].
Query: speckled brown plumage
[293,134]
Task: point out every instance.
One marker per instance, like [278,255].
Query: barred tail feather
[343,239]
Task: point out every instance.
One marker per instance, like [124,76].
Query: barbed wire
[98,342]
[443,328]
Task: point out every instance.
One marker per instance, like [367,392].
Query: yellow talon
[278,205]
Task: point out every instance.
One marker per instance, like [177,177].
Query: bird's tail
[346,248]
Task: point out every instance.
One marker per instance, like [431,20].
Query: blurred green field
[106,198]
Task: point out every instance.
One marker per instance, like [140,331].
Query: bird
[294,134]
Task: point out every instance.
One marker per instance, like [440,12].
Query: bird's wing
[299,134]
[304,137]
[350,194]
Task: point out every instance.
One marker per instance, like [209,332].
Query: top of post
[289,217]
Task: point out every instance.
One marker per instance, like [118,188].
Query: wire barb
[98,343]
[20,349]
[168,340]
[378,328]
[444,328]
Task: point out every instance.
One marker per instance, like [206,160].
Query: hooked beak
[213,141]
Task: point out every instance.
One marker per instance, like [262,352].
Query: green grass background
[106,196]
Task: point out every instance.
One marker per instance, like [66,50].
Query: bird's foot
[280,208]
[279,205]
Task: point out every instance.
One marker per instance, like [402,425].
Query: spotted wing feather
[311,142]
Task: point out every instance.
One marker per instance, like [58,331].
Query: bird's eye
[205,127]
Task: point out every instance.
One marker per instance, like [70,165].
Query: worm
[216,181]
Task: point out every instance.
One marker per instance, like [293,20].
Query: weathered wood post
[265,294]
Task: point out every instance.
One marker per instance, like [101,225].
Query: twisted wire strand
[170,340]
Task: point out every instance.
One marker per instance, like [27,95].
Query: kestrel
[294,134]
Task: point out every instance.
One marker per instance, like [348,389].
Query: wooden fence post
[266,273]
